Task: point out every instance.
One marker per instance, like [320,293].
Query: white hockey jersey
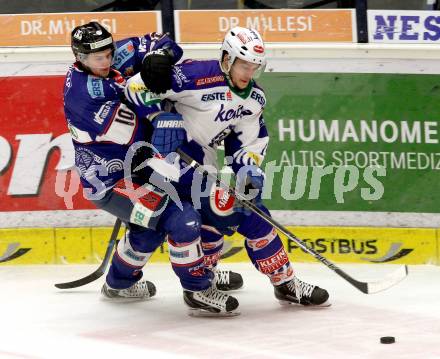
[213,111]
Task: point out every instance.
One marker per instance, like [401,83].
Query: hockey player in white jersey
[220,102]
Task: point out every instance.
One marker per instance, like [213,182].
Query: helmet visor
[249,69]
[98,60]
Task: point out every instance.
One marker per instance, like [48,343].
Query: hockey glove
[250,182]
[156,70]
[168,133]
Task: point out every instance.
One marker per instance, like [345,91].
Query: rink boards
[332,90]
[339,244]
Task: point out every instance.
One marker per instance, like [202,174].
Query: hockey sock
[127,263]
[188,263]
[266,250]
[212,245]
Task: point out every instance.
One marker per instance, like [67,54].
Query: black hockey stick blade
[364,287]
[101,269]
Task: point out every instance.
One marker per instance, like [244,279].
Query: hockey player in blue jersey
[104,131]
[220,101]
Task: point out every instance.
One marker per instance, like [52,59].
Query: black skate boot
[141,290]
[227,280]
[210,302]
[299,292]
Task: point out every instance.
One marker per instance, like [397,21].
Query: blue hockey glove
[250,181]
[168,132]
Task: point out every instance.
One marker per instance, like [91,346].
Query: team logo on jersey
[231,114]
[87,163]
[103,112]
[209,80]
[149,98]
[123,54]
[221,202]
[69,77]
[83,159]
[216,96]
[179,76]
[259,98]
[95,87]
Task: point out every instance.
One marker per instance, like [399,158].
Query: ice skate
[296,291]
[226,280]
[141,290]
[210,303]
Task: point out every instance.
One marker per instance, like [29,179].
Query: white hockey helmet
[245,44]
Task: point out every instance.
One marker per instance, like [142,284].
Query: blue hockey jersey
[101,124]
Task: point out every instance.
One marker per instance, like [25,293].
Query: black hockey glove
[156,70]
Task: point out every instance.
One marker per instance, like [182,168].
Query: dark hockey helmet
[91,37]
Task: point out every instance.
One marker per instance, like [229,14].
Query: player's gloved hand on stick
[157,69]
[168,132]
[250,181]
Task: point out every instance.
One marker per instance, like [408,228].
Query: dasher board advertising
[404,27]
[55,29]
[274,25]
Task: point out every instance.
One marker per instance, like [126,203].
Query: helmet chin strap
[82,66]
[226,71]
[82,59]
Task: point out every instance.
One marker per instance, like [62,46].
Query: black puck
[387,340]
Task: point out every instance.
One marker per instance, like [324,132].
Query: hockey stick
[101,269]
[364,287]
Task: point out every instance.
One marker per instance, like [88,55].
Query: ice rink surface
[39,321]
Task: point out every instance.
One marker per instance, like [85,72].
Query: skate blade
[124,299]
[229,290]
[285,303]
[202,313]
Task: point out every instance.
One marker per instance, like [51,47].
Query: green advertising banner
[353,142]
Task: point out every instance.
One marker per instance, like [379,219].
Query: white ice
[39,321]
